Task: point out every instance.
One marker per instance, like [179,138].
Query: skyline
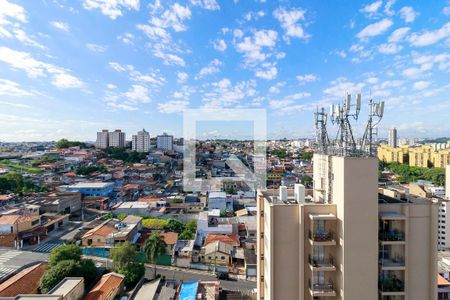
[68,70]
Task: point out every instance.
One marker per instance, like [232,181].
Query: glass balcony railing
[391,284]
[392,261]
[392,235]
[321,262]
[322,288]
[321,236]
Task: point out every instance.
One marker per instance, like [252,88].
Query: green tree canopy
[154,247]
[64,143]
[65,252]
[133,273]
[174,225]
[54,275]
[123,255]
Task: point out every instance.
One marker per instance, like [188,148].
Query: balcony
[391,263]
[391,286]
[322,290]
[321,264]
[392,237]
[322,238]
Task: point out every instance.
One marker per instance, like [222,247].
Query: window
[222,257]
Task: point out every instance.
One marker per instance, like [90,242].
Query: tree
[64,143]
[133,272]
[307,155]
[153,248]
[123,255]
[186,235]
[54,275]
[174,225]
[65,252]
[89,270]
[306,181]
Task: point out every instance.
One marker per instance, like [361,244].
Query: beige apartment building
[349,242]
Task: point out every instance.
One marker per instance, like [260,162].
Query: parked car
[222,276]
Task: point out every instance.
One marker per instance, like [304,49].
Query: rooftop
[90,185]
[107,287]
[25,282]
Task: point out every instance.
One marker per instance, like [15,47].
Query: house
[170,238]
[250,263]
[219,200]
[108,287]
[182,253]
[231,239]
[97,236]
[7,199]
[16,228]
[209,223]
[70,288]
[25,282]
[103,189]
[217,253]
[55,202]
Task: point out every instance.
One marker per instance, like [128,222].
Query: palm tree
[153,248]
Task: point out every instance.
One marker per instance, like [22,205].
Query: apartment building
[164,142]
[424,156]
[116,138]
[102,139]
[141,141]
[349,242]
[393,138]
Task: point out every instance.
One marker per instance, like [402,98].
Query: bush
[54,275]
[174,225]
[154,223]
[65,252]
[133,273]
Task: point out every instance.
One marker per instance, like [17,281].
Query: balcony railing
[392,236]
[321,262]
[392,261]
[321,236]
[322,287]
[391,284]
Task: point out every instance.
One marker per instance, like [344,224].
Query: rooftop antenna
[320,123]
[376,112]
[341,115]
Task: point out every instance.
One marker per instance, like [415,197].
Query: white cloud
[275,89]
[173,106]
[11,11]
[169,58]
[289,21]
[153,77]
[430,37]
[136,94]
[446,10]
[389,48]
[23,37]
[421,85]
[182,77]
[375,29]
[253,47]
[372,8]
[220,45]
[11,88]
[288,104]
[408,14]
[224,94]
[35,68]
[341,86]
[306,78]
[111,86]
[211,68]
[64,80]
[60,25]
[254,15]
[206,4]
[111,8]
[267,71]
[126,38]
[388,8]
[398,34]
[172,17]
[96,48]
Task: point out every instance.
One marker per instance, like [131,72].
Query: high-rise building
[141,141]
[116,138]
[447,182]
[102,139]
[393,138]
[349,241]
[164,141]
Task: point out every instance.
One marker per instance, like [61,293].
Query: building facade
[393,138]
[164,142]
[102,139]
[350,242]
[141,141]
[116,138]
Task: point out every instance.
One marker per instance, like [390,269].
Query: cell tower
[376,112]
[320,123]
[341,115]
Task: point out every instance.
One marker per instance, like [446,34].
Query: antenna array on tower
[341,115]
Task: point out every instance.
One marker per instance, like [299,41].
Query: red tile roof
[107,288]
[13,219]
[24,282]
[231,239]
[441,280]
[170,238]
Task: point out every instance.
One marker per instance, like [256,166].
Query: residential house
[14,229]
[182,253]
[25,282]
[219,200]
[109,286]
[217,253]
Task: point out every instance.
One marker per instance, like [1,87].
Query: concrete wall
[355,193]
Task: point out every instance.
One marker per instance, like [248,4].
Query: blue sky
[71,68]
